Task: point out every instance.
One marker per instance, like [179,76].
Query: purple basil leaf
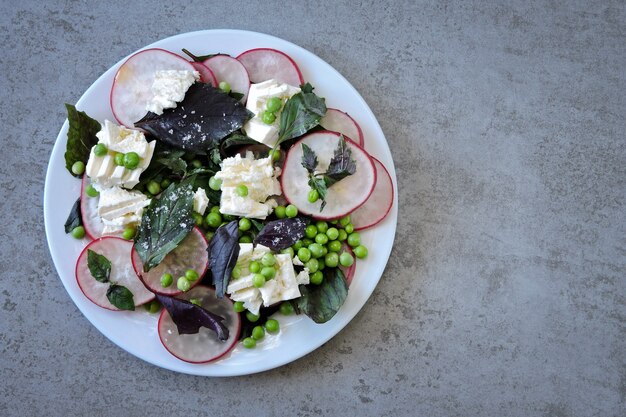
[280,234]
[223,252]
[189,317]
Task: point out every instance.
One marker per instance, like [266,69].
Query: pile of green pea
[272,106]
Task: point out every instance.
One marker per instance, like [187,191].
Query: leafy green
[309,159]
[322,302]
[189,317]
[281,234]
[301,113]
[223,252]
[165,223]
[81,137]
[99,266]
[199,58]
[236,139]
[74,219]
[120,297]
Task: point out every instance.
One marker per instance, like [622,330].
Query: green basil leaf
[301,113]
[322,302]
[81,137]
[74,219]
[99,266]
[120,297]
[199,58]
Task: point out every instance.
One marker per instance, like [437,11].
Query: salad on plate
[224,192]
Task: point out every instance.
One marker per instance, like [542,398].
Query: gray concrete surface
[505,294]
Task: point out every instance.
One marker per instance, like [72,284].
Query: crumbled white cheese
[200,201]
[261,179]
[120,208]
[169,88]
[258,96]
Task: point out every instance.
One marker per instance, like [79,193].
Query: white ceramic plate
[136,332]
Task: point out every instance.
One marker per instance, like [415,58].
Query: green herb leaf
[309,159]
[301,113]
[199,58]
[173,159]
[341,165]
[81,137]
[99,266]
[319,184]
[236,139]
[74,219]
[235,95]
[120,297]
[322,302]
[165,223]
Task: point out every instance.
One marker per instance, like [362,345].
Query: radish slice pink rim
[264,64]
[206,75]
[378,205]
[88,210]
[228,69]
[171,264]
[96,291]
[344,196]
[234,328]
[339,121]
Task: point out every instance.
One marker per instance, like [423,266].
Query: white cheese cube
[200,201]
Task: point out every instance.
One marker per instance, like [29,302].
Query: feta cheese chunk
[200,201]
[258,96]
[261,179]
[120,208]
[169,88]
[284,286]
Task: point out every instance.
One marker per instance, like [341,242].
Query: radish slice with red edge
[206,75]
[117,251]
[341,122]
[132,85]
[191,253]
[228,69]
[265,64]
[89,212]
[343,197]
[348,271]
[379,204]
[203,346]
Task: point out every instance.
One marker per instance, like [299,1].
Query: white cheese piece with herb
[258,96]
[200,201]
[120,208]
[169,88]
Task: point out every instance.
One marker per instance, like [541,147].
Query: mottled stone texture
[506,296]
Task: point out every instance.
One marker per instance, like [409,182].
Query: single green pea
[316,278]
[360,252]
[306,241]
[274,154]
[152,307]
[349,228]
[129,233]
[100,149]
[258,332]
[248,342]
[272,326]
[154,187]
[296,246]
[215,184]
[183,284]
[288,251]
[191,275]
[236,272]
[313,196]
[342,235]
[304,254]
[322,227]
[268,117]
[324,250]
[245,224]
[166,280]
[274,104]
[334,246]
[291,211]
[313,265]
[78,232]
[268,272]
[279,212]
[196,163]
[252,317]
[268,260]
[332,233]
[321,263]
[78,168]
[209,235]
[316,250]
[258,280]
[224,86]
[165,183]
[213,219]
[241,190]
[254,267]
[238,307]
[119,159]
[245,239]
[286,308]
[196,301]
[344,220]
[91,192]
[131,160]
[321,238]
[331,259]
[345,259]
[310,231]
[215,209]
[197,218]
[354,239]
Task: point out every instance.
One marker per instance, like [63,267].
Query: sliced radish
[341,122]
[89,211]
[117,251]
[265,64]
[206,75]
[348,271]
[190,254]
[379,204]
[230,70]
[344,196]
[132,86]
[203,346]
